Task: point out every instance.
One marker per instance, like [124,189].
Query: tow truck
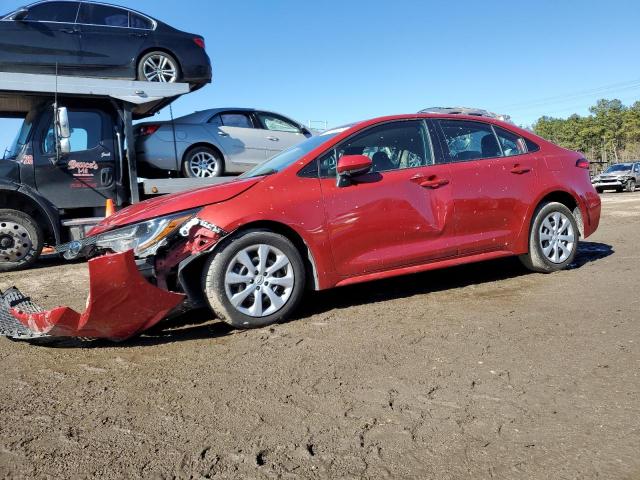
[73,158]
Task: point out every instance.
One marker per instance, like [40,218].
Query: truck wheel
[553,239]
[203,162]
[21,240]
[631,186]
[257,279]
[158,67]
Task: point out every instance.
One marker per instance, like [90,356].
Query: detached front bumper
[121,304]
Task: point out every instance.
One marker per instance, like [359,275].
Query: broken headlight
[144,238]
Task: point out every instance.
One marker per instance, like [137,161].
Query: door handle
[520,169]
[139,35]
[223,134]
[70,31]
[431,181]
[273,139]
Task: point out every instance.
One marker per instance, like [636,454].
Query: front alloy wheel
[631,185]
[256,279]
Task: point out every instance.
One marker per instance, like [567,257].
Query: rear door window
[510,143]
[63,12]
[277,123]
[140,22]
[466,140]
[94,14]
[239,120]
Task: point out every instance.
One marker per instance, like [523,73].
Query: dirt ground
[482,371]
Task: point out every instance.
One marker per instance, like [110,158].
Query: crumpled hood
[177,202]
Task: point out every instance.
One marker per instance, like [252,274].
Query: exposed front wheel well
[192,272]
[18,201]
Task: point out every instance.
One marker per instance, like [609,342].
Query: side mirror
[350,166]
[20,14]
[65,146]
[62,123]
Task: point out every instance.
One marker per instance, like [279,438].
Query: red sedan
[379,198]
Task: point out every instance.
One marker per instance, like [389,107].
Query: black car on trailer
[97,39]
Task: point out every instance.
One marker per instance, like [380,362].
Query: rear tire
[158,66]
[553,239]
[599,190]
[257,279]
[21,240]
[203,162]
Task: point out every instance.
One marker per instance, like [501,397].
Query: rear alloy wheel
[553,240]
[20,240]
[203,162]
[158,67]
[257,279]
[631,185]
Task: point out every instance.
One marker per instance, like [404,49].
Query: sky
[341,61]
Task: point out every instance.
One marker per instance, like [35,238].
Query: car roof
[201,116]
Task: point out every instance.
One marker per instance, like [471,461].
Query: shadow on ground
[199,324]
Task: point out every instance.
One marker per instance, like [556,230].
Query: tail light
[199,41]
[146,130]
[582,163]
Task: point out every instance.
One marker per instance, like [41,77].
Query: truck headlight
[144,238]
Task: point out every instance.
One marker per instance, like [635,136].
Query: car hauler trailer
[74,152]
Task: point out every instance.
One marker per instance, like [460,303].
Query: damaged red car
[379,198]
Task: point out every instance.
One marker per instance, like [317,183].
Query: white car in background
[211,143]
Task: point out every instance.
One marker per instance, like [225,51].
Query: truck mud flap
[121,304]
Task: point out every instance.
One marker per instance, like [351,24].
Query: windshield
[289,157]
[620,167]
[21,139]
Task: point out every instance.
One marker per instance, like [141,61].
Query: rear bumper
[593,206]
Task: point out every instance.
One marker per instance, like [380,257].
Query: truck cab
[73,154]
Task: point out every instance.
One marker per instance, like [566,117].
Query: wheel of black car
[203,162]
[158,67]
[21,240]
[631,185]
[553,239]
[257,279]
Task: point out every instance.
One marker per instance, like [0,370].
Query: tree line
[610,134]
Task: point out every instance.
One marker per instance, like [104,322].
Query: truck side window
[86,131]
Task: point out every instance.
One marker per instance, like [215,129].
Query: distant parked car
[619,177]
[213,142]
[96,39]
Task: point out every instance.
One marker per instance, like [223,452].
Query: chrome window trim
[80,3]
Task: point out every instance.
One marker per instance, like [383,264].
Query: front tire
[631,186]
[257,279]
[553,239]
[159,67]
[21,240]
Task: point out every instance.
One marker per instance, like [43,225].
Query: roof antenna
[173,129]
[55,117]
